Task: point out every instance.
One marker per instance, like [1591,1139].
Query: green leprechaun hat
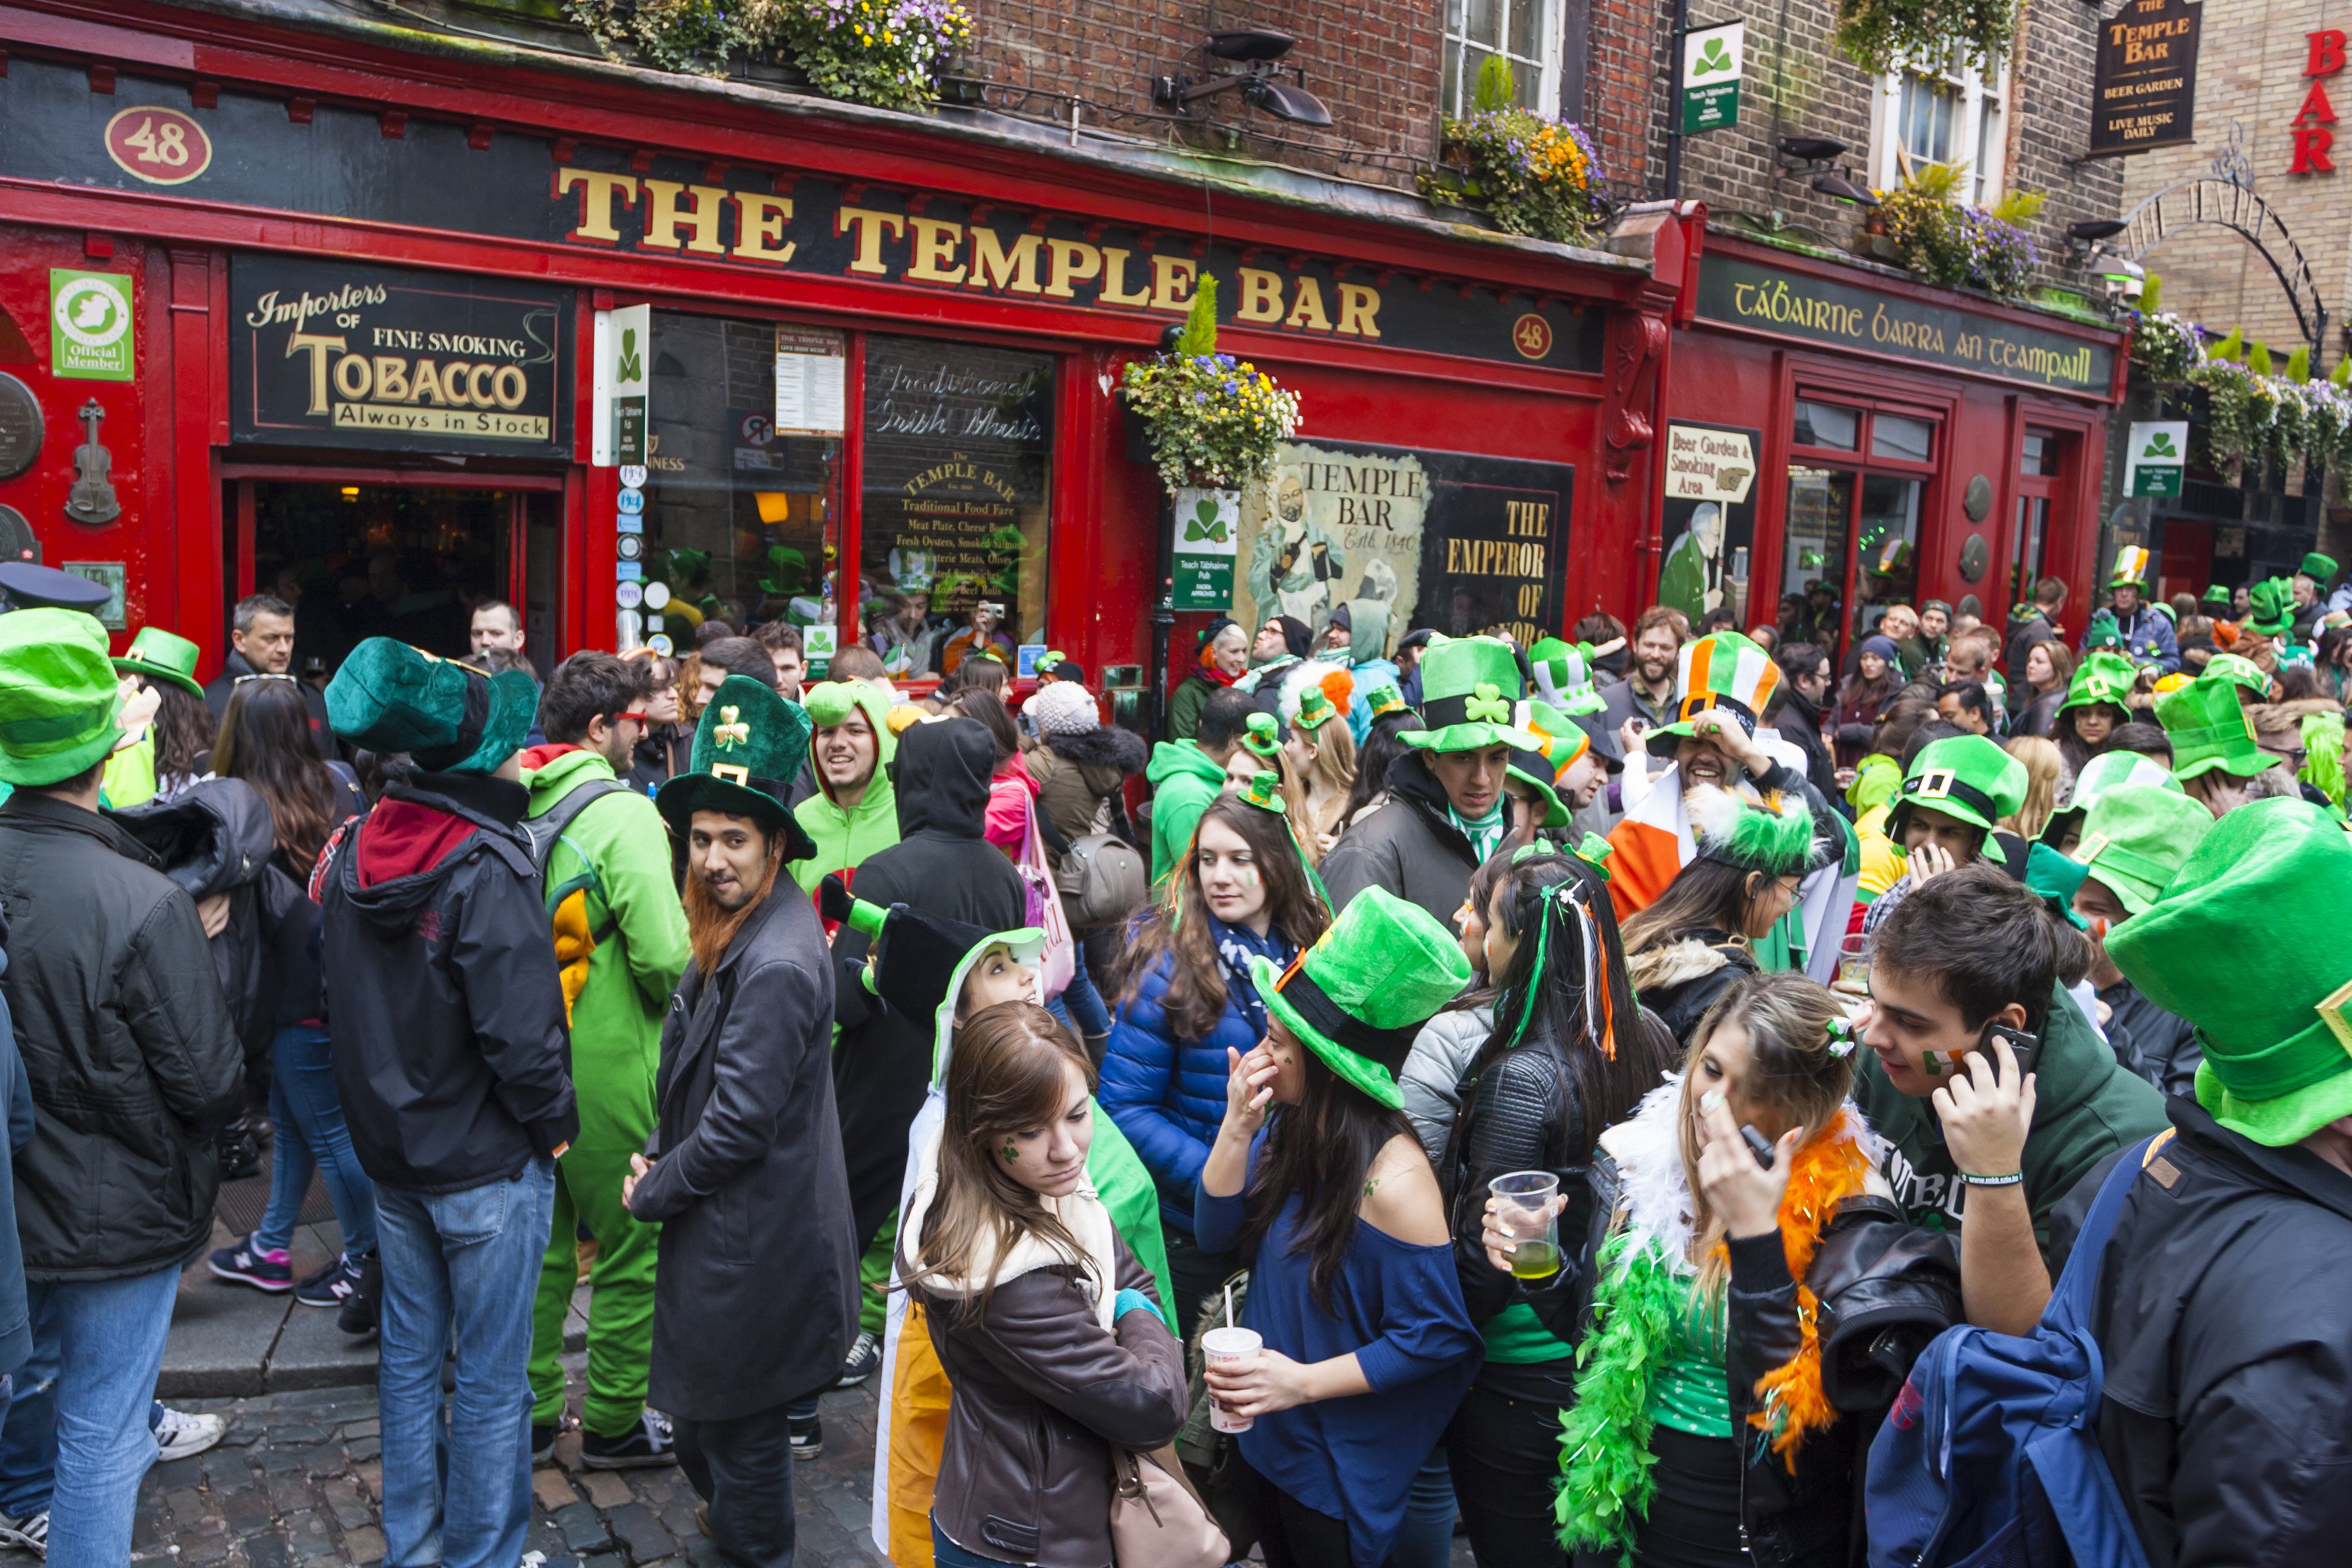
[1561,675]
[1264,791]
[1540,767]
[158,655]
[1264,736]
[58,696]
[448,716]
[2273,610]
[1360,994]
[2101,676]
[1383,699]
[2278,1054]
[2217,598]
[2131,568]
[1968,777]
[2240,670]
[2320,569]
[1721,670]
[1316,709]
[1468,687]
[747,748]
[2103,635]
[2134,837]
[921,961]
[2209,729]
[1773,835]
[2108,770]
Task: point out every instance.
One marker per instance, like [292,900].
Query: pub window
[740,519]
[1826,424]
[1950,113]
[1850,549]
[1526,33]
[1907,440]
[958,445]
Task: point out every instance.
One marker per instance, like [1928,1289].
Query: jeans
[458,1494]
[946,1553]
[743,1469]
[1425,1540]
[28,1434]
[1503,1443]
[309,1117]
[106,1340]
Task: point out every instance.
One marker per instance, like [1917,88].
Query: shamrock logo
[1712,57]
[2160,445]
[1204,523]
[730,733]
[1486,702]
[632,367]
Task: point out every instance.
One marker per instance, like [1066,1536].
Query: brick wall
[1374,62]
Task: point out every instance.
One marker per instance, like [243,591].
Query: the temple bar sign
[1792,305]
[2144,91]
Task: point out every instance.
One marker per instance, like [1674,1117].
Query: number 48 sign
[157,145]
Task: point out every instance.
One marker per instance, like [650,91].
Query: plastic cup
[1854,963]
[1229,1344]
[1523,1205]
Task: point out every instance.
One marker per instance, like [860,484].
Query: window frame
[1978,100]
[1551,29]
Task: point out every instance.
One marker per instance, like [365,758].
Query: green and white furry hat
[1773,835]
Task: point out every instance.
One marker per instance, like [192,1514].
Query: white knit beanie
[1062,708]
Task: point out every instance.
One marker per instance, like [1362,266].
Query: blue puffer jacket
[1169,1095]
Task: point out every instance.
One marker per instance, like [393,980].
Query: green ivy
[1880,35]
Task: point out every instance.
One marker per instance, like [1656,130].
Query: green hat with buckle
[2108,770]
[448,716]
[2320,569]
[2273,610]
[2101,676]
[1361,991]
[2278,1054]
[1264,791]
[1968,777]
[748,748]
[1722,671]
[2209,729]
[158,655]
[2240,670]
[2134,837]
[1468,687]
[58,697]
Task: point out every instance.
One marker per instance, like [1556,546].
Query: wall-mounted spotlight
[1259,82]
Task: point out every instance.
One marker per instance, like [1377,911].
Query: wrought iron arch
[2226,203]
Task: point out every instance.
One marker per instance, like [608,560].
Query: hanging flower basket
[886,53]
[1212,421]
[1880,35]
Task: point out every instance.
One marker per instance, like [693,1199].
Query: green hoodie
[845,838]
[2085,1108]
[1184,779]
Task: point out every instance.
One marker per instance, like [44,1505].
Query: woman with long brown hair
[1186,998]
[1042,1317]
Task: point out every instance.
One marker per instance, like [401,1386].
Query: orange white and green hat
[1722,671]
[1540,768]
[2131,568]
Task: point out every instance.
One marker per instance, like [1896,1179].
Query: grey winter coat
[1433,1070]
[1406,845]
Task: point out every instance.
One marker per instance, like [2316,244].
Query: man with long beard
[756,1278]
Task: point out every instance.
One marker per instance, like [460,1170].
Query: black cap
[31,587]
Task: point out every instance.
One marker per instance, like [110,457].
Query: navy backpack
[1991,1455]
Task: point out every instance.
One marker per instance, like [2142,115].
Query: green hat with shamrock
[2134,837]
[2209,729]
[450,717]
[1468,687]
[1315,708]
[164,656]
[2278,1054]
[1360,994]
[2101,676]
[2273,607]
[2240,671]
[2108,770]
[1722,671]
[748,748]
[1967,777]
[2320,569]
[2217,598]
[2131,568]
[58,696]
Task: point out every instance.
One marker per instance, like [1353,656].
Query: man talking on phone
[1992,1090]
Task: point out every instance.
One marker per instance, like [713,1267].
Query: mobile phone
[1758,1145]
[2026,1047]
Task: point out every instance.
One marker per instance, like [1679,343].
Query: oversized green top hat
[2219,597]
[1359,995]
[2272,609]
[1722,670]
[2131,568]
[2134,837]
[1468,687]
[2101,676]
[1964,776]
[2108,770]
[921,961]
[2209,729]
[161,656]
[747,750]
[2278,1052]
[450,717]
[58,696]
[2320,569]
[1562,675]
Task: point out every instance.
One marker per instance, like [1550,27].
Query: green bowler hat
[2320,569]
[2272,609]
[2101,676]
[1964,776]
[2108,770]
[1722,670]
[2220,598]
[2278,1054]
[161,656]
[2209,729]
[448,716]
[1359,995]
[2134,837]
[1468,689]
[747,750]
[58,696]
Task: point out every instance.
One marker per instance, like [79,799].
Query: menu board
[810,381]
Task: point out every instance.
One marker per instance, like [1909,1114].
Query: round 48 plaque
[20,426]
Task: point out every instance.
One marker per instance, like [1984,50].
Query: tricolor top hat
[1720,672]
[2131,568]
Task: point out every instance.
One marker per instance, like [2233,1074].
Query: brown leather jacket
[1041,1390]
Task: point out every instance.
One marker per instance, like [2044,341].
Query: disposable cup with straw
[1230,1342]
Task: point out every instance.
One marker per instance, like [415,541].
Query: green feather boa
[1604,1442]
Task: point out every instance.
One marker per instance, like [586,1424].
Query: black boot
[358,1315]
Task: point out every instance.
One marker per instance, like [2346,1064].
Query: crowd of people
[1553,1095]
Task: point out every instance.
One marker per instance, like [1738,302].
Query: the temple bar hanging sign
[2144,92]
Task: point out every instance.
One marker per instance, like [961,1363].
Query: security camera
[2124,281]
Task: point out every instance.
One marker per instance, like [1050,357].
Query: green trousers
[621,1280]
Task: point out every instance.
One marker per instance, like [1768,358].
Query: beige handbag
[1156,1520]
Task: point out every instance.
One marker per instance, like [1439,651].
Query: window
[1527,33]
[1826,424]
[1851,546]
[1947,114]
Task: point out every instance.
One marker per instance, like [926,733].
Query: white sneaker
[184,1433]
[27,1535]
